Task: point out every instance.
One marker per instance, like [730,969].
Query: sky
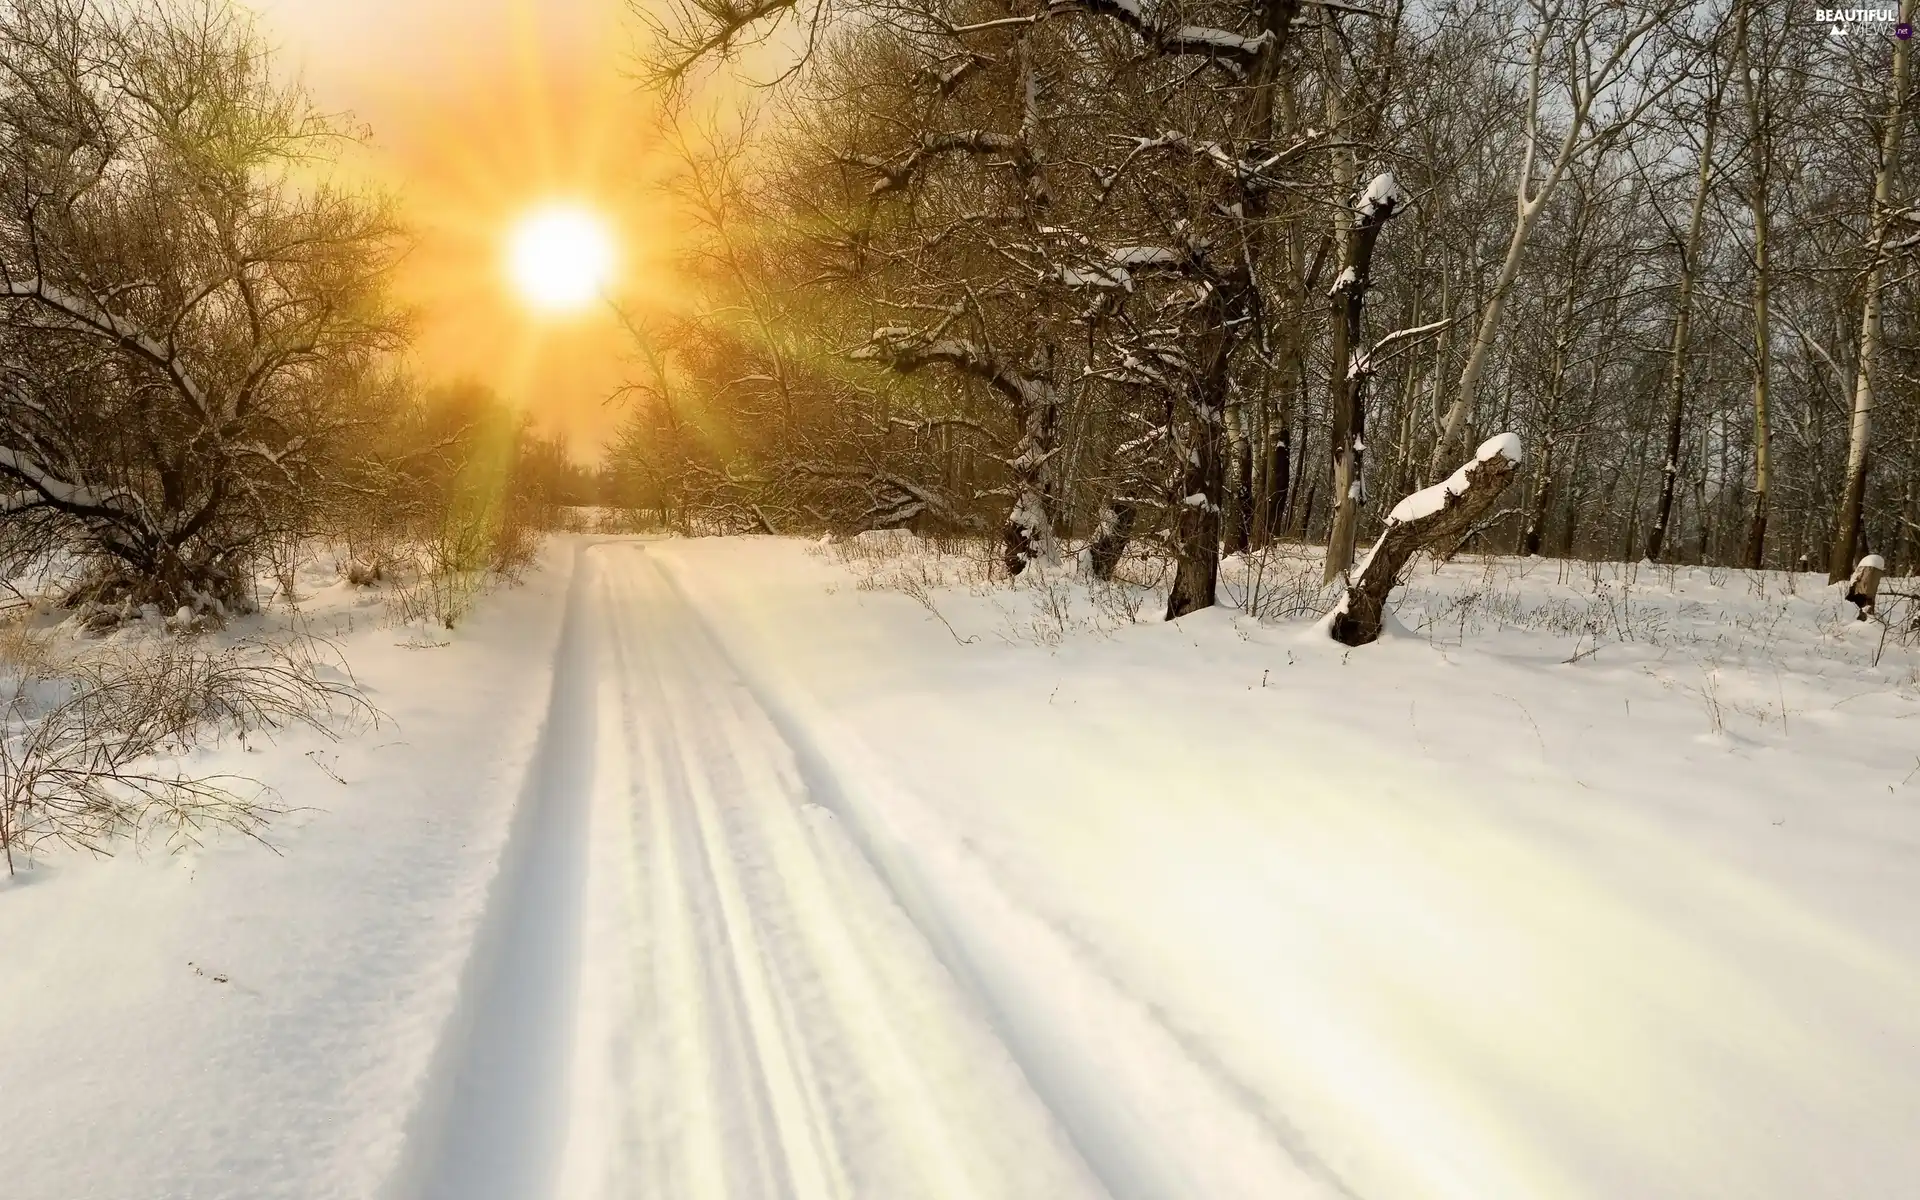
[478,111]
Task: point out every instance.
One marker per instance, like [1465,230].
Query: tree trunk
[1237,531]
[1442,515]
[1111,532]
[1683,325]
[1863,588]
[1279,468]
[1196,522]
[1702,512]
[1846,533]
[1346,297]
[1227,316]
[1351,369]
[1575,501]
[1759,124]
[1537,508]
[1028,533]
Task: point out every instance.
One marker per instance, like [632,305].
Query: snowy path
[778,924]
[690,870]
[755,1017]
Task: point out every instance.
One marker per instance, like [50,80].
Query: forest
[1191,278]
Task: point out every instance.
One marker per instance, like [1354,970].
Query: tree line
[1196,275]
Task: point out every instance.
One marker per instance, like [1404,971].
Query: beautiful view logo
[1841,18]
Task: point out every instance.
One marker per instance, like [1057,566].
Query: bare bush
[1276,583]
[90,745]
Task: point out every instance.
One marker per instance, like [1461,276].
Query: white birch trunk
[1860,433]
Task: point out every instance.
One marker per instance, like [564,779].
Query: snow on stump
[1440,515]
[1863,589]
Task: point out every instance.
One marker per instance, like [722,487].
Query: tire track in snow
[492,1122]
[1151,1112]
[708,970]
[752,1017]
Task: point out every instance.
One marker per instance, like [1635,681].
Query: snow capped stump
[1439,515]
[1863,589]
[1384,196]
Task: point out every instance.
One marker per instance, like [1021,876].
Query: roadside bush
[90,745]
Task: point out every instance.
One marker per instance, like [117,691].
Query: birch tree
[1846,530]
[1615,69]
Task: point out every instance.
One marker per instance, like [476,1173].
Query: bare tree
[180,320]
[1690,266]
[1613,75]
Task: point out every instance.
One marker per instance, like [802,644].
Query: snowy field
[757,868]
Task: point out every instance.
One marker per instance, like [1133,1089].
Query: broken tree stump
[1439,515]
[1863,589]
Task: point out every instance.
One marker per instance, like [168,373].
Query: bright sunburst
[560,258]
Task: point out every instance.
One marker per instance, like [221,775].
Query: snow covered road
[860,920]
[697,873]
[725,1002]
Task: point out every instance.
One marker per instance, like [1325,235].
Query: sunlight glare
[560,258]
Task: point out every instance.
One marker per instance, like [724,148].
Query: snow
[102,320]
[1225,39]
[1265,918]
[1875,562]
[26,469]
[759,867]
[1097,277]
[235,1023]
[1344,280]
[1427,501]
[1144,256]
[1501,445]
[1383,192]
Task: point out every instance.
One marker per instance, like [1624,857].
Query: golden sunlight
[560,258]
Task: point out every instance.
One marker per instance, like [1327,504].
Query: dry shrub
[1280,582]
[453,564]
[85,740]
[629,520]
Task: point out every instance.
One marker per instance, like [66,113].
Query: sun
[560,258]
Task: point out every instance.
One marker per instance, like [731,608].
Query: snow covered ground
[751,868]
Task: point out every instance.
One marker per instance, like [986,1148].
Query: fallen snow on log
[1427,501]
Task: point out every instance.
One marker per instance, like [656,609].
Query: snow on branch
[905,351]
[899,173]
[1406,335]
[898,500]
[1383,198]
[1111,278]
[46,488]
[1145,256]
[1233,50]
[1428,501]
[1249,172]
[93,319]
[929,424]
